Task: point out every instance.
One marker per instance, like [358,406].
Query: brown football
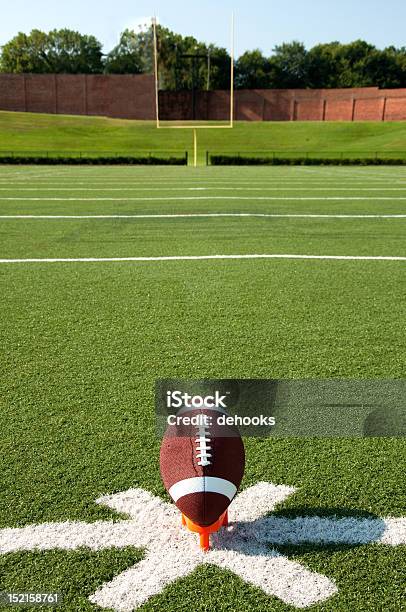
[202,464]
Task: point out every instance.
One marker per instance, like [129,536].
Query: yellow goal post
[230,122]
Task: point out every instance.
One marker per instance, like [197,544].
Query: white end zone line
[208,215]
[203,257]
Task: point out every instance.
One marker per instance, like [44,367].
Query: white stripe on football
[202,484]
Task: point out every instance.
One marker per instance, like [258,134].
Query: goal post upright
[156,72]
[232,73]
[228,125]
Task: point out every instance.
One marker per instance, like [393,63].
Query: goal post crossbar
[196,127]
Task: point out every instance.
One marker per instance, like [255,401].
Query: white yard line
[203,257]
[139,180]
[182,188]
[199,198]
[206,215]
[202,179]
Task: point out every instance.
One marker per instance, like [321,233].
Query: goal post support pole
[195,148]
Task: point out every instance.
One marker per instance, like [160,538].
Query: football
[202,464]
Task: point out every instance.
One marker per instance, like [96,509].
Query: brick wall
[126,96]
[361,104]
[339,109]
[133,97]
[12,92]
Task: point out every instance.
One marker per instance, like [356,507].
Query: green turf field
[83,342]
[27,132]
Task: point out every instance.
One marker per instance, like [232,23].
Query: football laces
[203,447]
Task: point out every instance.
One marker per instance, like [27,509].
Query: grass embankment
[32,132]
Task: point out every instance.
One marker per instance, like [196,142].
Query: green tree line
[291,65]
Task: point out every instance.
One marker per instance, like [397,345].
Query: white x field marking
[171,552]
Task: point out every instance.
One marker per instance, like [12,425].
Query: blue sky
[259,23]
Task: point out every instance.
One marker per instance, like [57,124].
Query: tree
[184,62]
[252,70]
[289,66]
[325,65]
[354,57]
[387,68]
[357,64]
[135,54]
[381,69]
[59,51]
[25,53]
[180,72]
[127,57]
[220,66]
[400,59]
